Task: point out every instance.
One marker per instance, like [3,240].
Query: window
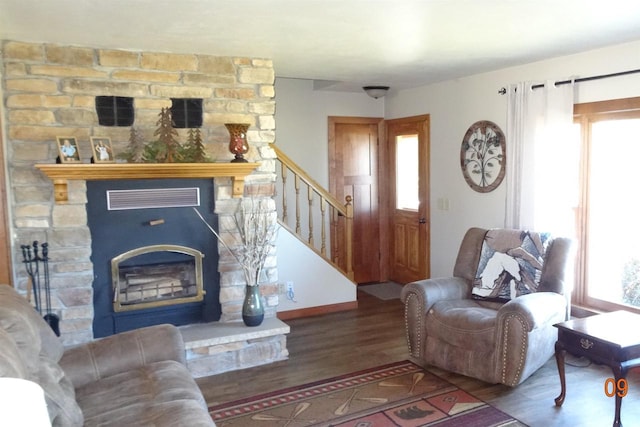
[114,110]
[609,250]
[186,112]
[407,173]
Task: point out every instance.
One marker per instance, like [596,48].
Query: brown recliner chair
[483,322]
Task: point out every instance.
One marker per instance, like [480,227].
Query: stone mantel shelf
[61,173]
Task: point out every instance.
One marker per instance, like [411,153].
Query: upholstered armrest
[122,352]
[526,333]
[536,309]
[430,291]
[418,297]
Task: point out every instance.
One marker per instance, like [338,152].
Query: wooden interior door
[353,171]
[408,178]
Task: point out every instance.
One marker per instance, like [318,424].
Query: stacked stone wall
[49,91]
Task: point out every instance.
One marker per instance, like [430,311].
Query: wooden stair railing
[340,218]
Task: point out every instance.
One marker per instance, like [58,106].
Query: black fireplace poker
[32,261]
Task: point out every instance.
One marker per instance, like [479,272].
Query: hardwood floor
[339,343]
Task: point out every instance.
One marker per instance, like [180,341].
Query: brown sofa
[133,378]
[494,341]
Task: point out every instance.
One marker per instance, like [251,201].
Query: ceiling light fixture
[376,91]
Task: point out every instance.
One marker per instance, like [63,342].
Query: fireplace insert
[153,261]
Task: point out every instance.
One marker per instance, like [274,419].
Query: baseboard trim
[316,311]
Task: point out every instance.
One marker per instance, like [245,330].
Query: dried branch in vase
[253,238]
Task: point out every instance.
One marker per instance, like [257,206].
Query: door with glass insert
[407,145]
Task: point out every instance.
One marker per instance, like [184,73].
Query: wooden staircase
[319,220]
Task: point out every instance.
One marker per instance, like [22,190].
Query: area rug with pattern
[398,394]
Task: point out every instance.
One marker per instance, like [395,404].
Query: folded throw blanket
[510,264]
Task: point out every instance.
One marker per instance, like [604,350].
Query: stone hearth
[213,349]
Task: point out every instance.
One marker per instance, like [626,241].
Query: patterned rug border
[427,402]
[313,384]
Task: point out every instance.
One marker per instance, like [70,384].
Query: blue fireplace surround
[118,231]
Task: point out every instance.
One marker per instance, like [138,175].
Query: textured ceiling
[343,44]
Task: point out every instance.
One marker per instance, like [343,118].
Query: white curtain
[542,159]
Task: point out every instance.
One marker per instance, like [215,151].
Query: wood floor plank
[339,343]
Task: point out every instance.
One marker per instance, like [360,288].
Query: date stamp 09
[618,388]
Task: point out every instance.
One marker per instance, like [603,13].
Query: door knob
[422,220]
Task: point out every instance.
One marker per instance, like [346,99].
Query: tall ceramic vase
[252,308]
[238,144]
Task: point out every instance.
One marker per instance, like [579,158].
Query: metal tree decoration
[167,137]
[193,150]
[135,149]
[199,151]
[482,156]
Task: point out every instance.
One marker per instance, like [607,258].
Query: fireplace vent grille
[150,198]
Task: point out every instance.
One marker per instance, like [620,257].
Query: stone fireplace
[50,91]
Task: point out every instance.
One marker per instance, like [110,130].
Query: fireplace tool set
[33,261]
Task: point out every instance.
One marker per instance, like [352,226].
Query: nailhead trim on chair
[523,350]
[406,324]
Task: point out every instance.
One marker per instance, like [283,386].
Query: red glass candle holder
[238,144]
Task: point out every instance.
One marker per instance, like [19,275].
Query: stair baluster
[340,218]
[283,172]
[297,186]
[323,231]
[310,195]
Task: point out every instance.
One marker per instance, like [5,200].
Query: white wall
[316,282]
[455,105]
[302,133]
[301,120]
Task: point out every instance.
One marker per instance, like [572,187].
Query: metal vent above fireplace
[148,198]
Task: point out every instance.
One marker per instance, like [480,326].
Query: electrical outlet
[290,294]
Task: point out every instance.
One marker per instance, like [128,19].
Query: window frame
[585,114]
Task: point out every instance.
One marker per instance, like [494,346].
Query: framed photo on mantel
[68,149]
[101,149]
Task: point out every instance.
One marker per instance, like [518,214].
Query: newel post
[349,236]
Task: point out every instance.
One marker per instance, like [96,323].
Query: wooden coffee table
[608,339]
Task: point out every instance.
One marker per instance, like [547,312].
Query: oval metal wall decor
[482,156]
